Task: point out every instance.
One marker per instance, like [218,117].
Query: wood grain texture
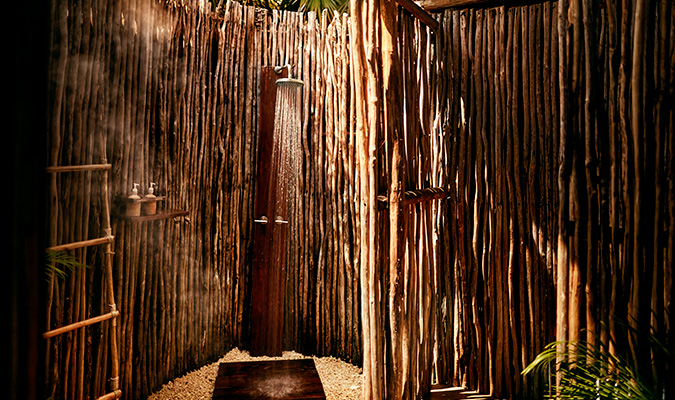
[280,379]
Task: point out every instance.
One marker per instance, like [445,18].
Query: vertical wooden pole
[392,126]
[638,141]
[115,373]
[364,45]
[267,283]
[563,174]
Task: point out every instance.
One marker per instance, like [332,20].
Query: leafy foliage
[588,371]
[60,264]
[287,5]
[340,6]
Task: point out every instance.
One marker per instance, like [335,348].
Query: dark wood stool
[279,379]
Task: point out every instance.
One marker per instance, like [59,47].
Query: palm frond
[331,6]
[303,6]
[61,264]
[587,371]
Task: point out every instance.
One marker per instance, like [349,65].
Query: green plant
[588,371]
[60,264]
[340,6]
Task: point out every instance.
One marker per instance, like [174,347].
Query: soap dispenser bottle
[133,202]
[150,204]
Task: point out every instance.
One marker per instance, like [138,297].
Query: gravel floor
[340,380]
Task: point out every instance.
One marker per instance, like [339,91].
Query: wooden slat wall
[560,222]
[397,135]
[494,304]
[168,93]
[559,216]
[424,167]
[617,176]
[322,304]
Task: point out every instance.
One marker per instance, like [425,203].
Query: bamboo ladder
[106,240]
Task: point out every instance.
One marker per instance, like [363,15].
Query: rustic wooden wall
[322,303]
[560,220]
[400,171]
[496,309]
[550,125]
[168,93]
[532,186]
[616,179]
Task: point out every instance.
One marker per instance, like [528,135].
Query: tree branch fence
[468,194]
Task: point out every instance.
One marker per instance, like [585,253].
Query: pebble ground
[340,380]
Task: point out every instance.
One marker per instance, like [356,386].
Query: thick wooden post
[364,26]
[393,133]
[267,283]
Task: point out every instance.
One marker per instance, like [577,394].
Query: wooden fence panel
[565,115]
[172,89]
[545,132]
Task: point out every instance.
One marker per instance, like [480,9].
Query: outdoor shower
[286,155]
[280,171]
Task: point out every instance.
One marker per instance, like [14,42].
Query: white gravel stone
[340,380]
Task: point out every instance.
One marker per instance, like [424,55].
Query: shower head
[289,82]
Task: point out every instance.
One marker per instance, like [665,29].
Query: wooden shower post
[268,274]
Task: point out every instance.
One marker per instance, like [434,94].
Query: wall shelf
[161,214]
[120,211]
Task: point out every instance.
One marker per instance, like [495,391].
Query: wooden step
[454,393]
[277,379]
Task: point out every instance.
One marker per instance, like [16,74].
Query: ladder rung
[75,168]
[84,243]
[81,324]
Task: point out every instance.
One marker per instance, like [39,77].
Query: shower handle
[263,220]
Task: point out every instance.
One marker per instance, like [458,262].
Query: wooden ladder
[106,240]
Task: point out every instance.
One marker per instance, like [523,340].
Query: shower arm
[280,68]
